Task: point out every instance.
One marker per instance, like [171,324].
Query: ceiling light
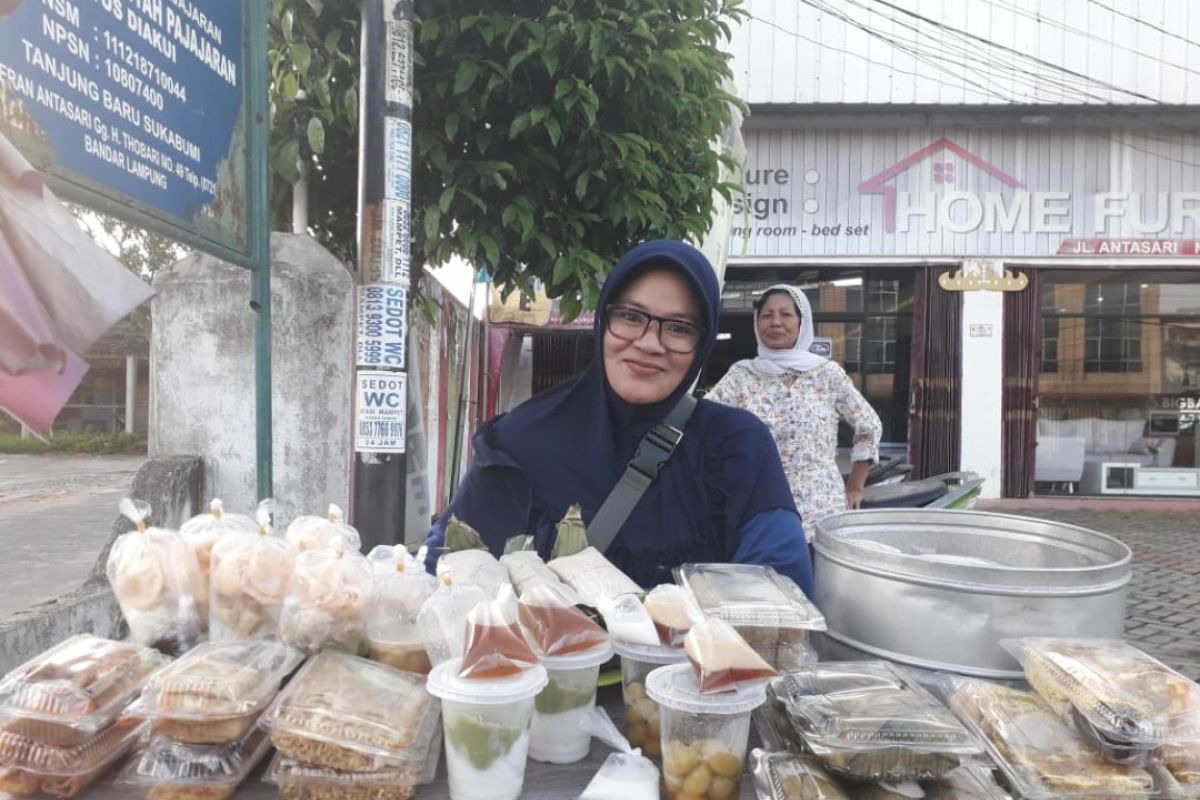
[847,282]
[1035,119]
[724,337]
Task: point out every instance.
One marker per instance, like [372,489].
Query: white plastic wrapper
[156,580]
[526,570]
[326,599]
[443,619]
[628,622]
[593,576]
[625,774]
[202,531]
[249,582]
[309,533]
[472,566]
[400,587]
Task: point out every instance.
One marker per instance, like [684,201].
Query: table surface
[542,781]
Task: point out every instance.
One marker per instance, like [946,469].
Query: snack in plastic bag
[494,645]
[326,597]
[593,577]
[554,626]
[67,695]
[1039,755]
[299,781]
[202,531]
[168,770]
[628,622]
[311,532]
[526,569]
[625,774]
[353,715]
[1130,706]
[250,576]
[443,620]
[673,613]
[156,580]
[971,781]
[213,694]
[474,565]
[721,658]
[792,776]
[769,610]
[399,590]
[865,721]
[28,766]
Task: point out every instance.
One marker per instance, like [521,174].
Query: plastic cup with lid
[643,725]
[558,735]
[486,728]
[704,736]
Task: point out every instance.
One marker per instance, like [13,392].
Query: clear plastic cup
[704,736]
[643,725]
[486,725]
[557,735]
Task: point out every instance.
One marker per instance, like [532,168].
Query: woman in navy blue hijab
[722,496]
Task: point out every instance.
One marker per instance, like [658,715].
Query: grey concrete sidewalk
[56,515]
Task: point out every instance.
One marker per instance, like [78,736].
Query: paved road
[56,513]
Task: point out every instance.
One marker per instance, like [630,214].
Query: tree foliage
[552,135]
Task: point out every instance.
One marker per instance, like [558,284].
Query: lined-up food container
[28,766]
[802,776]
[643,720]
[168,770]
[769,610]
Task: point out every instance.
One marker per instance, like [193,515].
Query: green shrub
[93,443]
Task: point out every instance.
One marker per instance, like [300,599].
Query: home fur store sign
[968,193]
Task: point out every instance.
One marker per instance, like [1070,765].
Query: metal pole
[130,391]
[258,191]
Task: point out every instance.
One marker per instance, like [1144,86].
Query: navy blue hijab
[571,443]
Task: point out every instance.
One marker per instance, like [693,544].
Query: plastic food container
[704,736]
[866,721]
[30,766]
[353,715]
[1040,757]
[791,776]
[769,610]
[299,781]
[557,735]
[214,694]
[486,724]
[67,695]
[643,722]
[168,770]
[1129,706]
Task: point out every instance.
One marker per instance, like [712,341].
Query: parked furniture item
[1132,478]
[1059,459]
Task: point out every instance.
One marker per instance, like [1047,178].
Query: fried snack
[704,769]
[298,781]
[326,599]
[171,771]
[63,771]
[353,715]
[202,531]
[790,776]
[250,576]
[311,532]
[1038,753]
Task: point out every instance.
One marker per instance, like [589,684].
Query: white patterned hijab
[796,358]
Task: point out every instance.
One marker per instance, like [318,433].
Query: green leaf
[491,249]
[581,186]
[287,160]
[554,129]
[430,30]
[446,198]
[451,126]
[550,62]
[288,87]
[468,21]
[286,24]
[301,57]
[519,124]
[317,6]
[562,271]
[465,76]
[316,135]
[563,88]
[569,307]
[461,536]
[572,535]
[350,100]
[432,223]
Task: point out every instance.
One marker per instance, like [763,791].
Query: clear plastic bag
[792,776]
[250,576]
[673,612]
[867,721]
[202,531]
[478,567]
[443,620]
[156,580]
[494,646]
[554,626]
[721,658]
[628,622]
[1039,755]
[399,590]
[593,577]
[526,569]
[168,770]
[625,774]
[311,532]
[326,599]
[1128,705]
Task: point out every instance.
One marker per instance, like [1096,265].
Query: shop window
[879,349]
[1114,342]
[1049,331]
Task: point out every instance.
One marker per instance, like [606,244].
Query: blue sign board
[139,104]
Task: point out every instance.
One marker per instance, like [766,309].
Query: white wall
[982,382]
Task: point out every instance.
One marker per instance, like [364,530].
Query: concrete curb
[172,486]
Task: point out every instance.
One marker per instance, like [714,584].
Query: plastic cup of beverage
[557,735]
[643,724]
[486,729]
[704,736]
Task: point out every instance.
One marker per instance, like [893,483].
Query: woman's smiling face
[778,323]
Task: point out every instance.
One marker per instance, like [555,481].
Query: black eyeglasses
[631,324]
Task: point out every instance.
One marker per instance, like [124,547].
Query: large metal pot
[940,589]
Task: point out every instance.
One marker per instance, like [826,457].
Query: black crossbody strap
[653,451]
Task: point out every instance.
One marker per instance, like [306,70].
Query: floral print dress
[802,410]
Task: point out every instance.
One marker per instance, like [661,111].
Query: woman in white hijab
[801,396]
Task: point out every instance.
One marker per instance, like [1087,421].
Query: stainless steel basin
[939,589]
